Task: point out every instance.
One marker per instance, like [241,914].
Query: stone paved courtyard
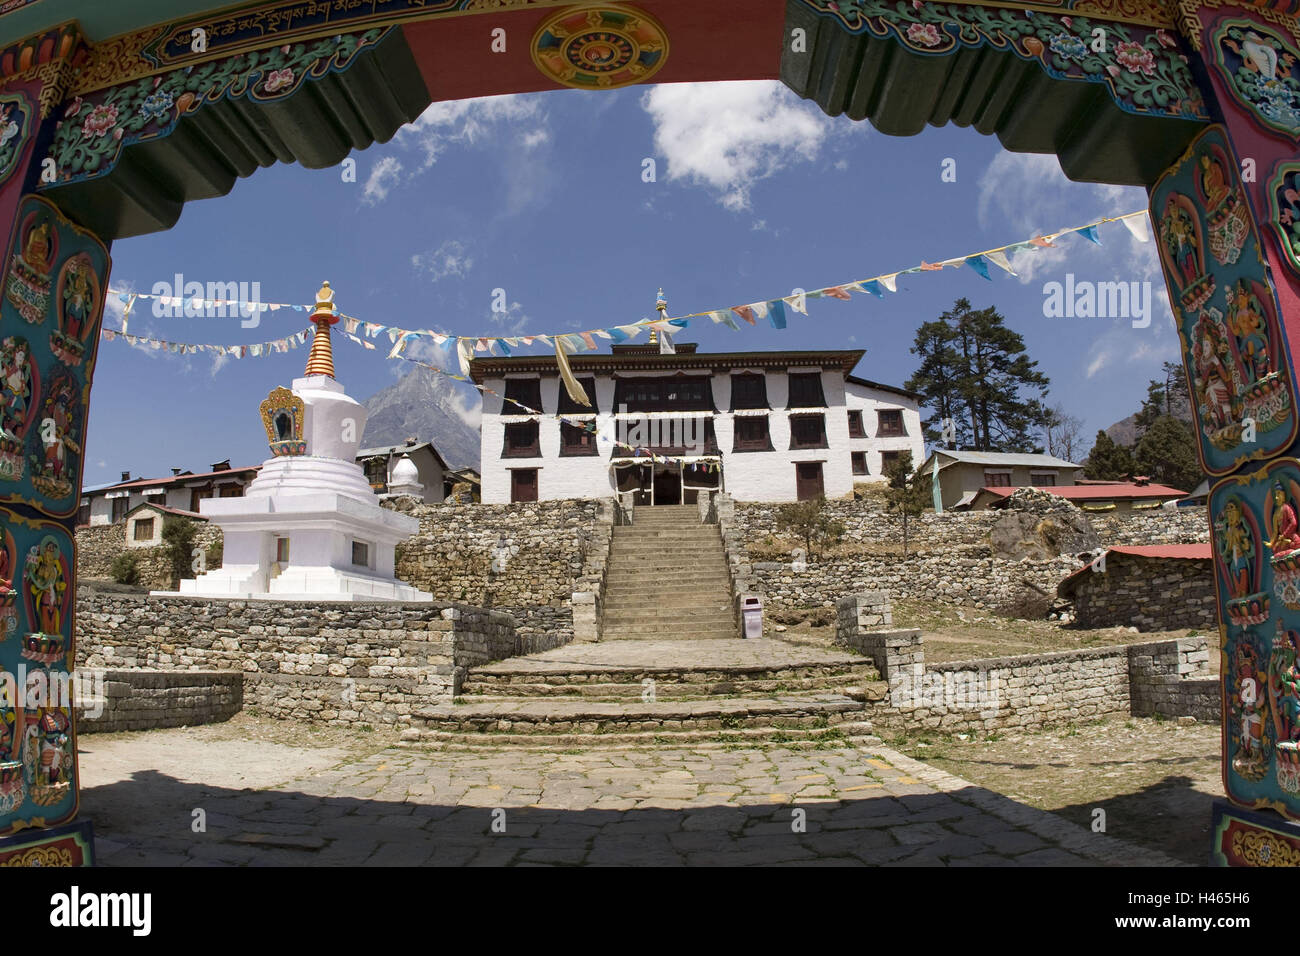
[295,800]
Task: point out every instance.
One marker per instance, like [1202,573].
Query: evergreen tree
[1108,460]
[1167,453]
[908,493]
[975,371]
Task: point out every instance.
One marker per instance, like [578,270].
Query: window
[158,498]
[144,529]
[748,391]
[83,513]
[523,484]
[569,407]
[1042,479]
[889,423]
[521,441]
[859,462]
[752,434]
[681,394]
[806,390]
[807,431]
[576,440]
[808,480]
[888,459]
[997,479]
[197,495]
[282,550]
[855,425]
[231,491]
[361,554]
[377,473]
[525,391]
[119,508]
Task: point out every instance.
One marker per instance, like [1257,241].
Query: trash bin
[751,614]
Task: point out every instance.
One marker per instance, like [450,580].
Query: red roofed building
[1111,496]
[1155,587]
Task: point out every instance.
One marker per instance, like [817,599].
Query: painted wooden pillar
[1227,221]
[52,290]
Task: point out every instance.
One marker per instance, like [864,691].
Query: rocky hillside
[429,407]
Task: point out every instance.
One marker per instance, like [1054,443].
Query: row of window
[122,505]
[751,434]
[680,393]
[807,478]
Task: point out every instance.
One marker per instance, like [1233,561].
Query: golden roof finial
[321,359]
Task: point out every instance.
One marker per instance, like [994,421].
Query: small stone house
[144,524]
[1091,497]
[1160,587]
[963,474]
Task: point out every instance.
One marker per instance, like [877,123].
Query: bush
[214,554]
[178,544]
[125,569]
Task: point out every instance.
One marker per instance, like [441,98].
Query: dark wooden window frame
[883,431]
[537,485]
[740,445]
[568,406]
[758,398]
[859,457]
[653,394]
[576,449]
[855,424]
[527,391]
[511,450]
[809,386]
[795,443]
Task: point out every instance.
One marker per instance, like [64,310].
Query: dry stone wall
[1151,594]
[98,545]
[342,663]
[149,700]
[526,559]
[1169,678]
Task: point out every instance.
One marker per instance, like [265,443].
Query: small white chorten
[406,479]
[309,526]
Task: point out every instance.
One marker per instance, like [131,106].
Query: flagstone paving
[850,805]
[681,654]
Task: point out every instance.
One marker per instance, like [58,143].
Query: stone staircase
[700,693]
[667,579]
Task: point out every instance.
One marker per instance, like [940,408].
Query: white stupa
[309,526]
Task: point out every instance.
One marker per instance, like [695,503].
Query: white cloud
[468,121]
[449,259]
[729,136]
[383,177]
[469,408]
[1026,194]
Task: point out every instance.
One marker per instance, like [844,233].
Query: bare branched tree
[1064,435]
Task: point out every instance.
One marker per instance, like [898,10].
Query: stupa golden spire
[321,359]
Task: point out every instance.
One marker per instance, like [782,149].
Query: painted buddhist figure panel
[54,293]
[1256,545]
[1233,346]
[1262,72]
[37,737]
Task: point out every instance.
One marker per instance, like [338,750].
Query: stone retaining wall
[1168,678]
[1151,594]
[341,663]
[149,700]
[98,545]
[525,559]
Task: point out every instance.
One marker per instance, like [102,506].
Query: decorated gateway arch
[114,115]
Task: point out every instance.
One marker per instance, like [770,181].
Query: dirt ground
[1154,779]
[958,634]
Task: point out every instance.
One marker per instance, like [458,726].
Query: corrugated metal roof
[1007,459]
[1199,551]
[1120,490]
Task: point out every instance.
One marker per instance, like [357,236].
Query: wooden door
[523,484]
[808,480]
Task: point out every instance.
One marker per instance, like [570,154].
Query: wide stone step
[530,716]
[857,732]
[629,598]
[667,632]
[619,574]
[798,666]
[849,684]
[648,535]
[684,616]
[635,548]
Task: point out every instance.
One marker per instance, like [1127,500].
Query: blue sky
[757,192]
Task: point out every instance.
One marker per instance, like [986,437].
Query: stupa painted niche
[309,526]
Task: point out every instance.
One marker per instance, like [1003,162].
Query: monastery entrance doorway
[668,484]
